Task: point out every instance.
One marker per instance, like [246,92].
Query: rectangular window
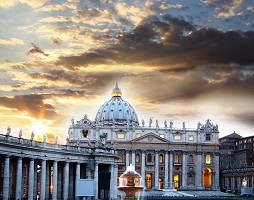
[208,137]
[162,135]
[177,137]
[208,159]
[138,135]
[191,138]
[120,135]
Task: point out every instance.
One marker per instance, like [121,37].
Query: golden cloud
[12,41]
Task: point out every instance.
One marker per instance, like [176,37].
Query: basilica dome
[116,111]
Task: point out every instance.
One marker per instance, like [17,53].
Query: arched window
[149,158]
[208,159]
[137,158]
[120,157]
[161,158]
[176,158]
[190,159]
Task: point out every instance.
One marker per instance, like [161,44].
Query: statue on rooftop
[44,138]
[32,135]
[171,124]
[20,133]
[8,131]
[166,124]
[150,122]
[157,123]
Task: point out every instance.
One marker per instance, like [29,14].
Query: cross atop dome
[116,91]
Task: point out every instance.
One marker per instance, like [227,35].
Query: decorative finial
[116,91]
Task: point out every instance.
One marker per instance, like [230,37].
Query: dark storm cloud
[170,41]
[35,49]
[57,40]
[32,104]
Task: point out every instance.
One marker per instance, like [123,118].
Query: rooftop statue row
[8,133]
[208,126]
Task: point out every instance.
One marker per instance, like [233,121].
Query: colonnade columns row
[171,170]
[199,171]
[96,180]
[6,178]
[217,173]
[31,179]
[156,170]
[19,178]
[127,157]
[66,180]
[43,180]
[143,168]
[54,193]
[184,171]
[166,171]
[133,158]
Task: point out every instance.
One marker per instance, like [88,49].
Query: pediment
[150,138]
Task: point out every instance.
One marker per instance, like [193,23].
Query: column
[171,182]
[96,180]
[156,170]
[143,168]
[133,158]
[112,186]
[232,184]
[239,184]
[54,192]
[77,171]
[184,171]
[166,170]
[217,171]
[66,180]
[6,178]
[127,162]
[43,180]
[115,180]
[199,171]
[31,180]
[19,178]
[252,182]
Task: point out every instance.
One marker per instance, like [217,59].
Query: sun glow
[40,127]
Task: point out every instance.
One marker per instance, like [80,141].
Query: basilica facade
[100,150]
[166,157]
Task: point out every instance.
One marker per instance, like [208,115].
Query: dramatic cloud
[36,50]
[186,61]
[171,42]
[32,104]
[12,41]
[57,40]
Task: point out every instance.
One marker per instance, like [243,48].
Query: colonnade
[34,178]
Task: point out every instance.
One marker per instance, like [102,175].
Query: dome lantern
[116,91]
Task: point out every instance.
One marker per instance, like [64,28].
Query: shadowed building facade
[236,162]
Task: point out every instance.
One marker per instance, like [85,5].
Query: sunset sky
[174,60]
